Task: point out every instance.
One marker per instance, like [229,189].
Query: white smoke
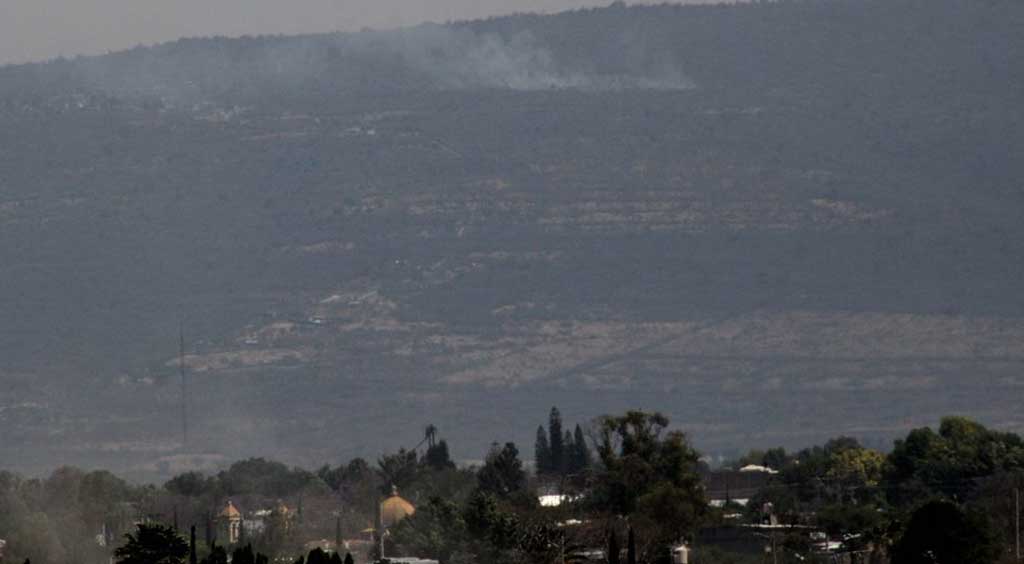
[464,59]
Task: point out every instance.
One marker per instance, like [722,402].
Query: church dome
[394,509]
[230,511]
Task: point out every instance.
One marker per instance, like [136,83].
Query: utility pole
[1016,519]
[184,385]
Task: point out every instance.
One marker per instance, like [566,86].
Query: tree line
[942,494]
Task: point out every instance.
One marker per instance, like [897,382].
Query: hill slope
[776,222]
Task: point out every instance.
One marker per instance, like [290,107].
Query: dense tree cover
[253,476]
[63,516]
[940,496]
[649,474]
[951,461]
[959,478]
[940,531]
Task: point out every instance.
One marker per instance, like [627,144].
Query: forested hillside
[776,222]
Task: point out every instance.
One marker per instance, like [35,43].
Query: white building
[681,554]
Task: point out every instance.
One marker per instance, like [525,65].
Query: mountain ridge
[754,217]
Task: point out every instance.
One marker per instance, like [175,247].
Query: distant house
[758,468]
[323,544]
[279,517]
[681,554]
[229,523]
[725,487]
[554,500]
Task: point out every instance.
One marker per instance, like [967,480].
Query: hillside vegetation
[776,222]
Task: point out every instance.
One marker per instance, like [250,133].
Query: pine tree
[556,441]
[542,452]
[192,556]
[502,473]
[349,559]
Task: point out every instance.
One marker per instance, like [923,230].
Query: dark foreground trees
[940,532]
[152,544]
[649,474]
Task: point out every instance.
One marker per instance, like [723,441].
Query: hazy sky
[41,29]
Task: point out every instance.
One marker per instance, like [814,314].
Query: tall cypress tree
[209,531]
[556,441]
[542,451]
[337,533]
[192,556]
[613,548]
[581,453]
[568,454]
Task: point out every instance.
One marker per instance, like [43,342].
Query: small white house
[758,468]
[681,554]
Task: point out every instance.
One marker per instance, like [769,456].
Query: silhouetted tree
[438,457]
[152,544]
[502,473]
[556,440]
[581,453]
[613,548]
[217,556]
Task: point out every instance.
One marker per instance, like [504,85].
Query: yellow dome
[230,512]
[394,509]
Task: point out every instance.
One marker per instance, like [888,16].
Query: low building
[733,487]
[758,468]
[681,554]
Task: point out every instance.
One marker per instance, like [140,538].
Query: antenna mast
[184,385]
